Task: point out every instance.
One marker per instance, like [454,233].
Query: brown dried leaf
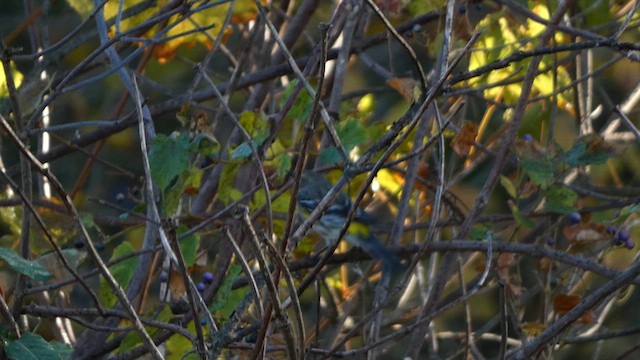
[407,87]
[563,303]
[584,233]
[465,139]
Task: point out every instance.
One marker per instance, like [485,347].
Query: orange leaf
[406,87]
[465,139]
[563,303]
[584,233]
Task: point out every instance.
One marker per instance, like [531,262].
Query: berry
[203,321]
[201,287]
[163,276]
[550,241]
[462,10]
[611,229]
[630,244]
[527,137]
[623,234]
[78,244]
[574,218]
[100,246]
[207,278]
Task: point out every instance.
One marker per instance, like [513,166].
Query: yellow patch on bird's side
[358,229]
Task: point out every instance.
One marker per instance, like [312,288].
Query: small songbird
[313,187]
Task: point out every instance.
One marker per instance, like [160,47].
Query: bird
[313,188]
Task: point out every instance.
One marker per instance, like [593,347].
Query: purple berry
[623,235]
[630,244]
[527,137]
[611,229]
[201,287]
[575,218]
[207,278]
[550,241]
[163,276]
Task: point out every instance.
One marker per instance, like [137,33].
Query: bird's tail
[377,251]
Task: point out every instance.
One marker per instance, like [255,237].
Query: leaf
[181,348]
[585,233]
[508,186]
[31,347]
[25,267]
[243,151]
[519,217]
[168,158]
[407,87]
[563,303]
[225,185]
[122,272]
[588,150]
[465,139]
[351,133]
[560,200]
[302,104]
[223,296]
[541,172]
[330,156]
[284,164]
[189,246]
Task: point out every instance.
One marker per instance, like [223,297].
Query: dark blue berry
[550,241]
[611,229]
[207,278]
[100,246]
[623,235]
[630,244]
[163,276]
[462,10]
[527,137]
[203,321]
[201,287]
[78,244]
[575,218]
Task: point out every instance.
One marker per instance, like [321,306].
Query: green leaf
[180,347]
[31,347]
[560,200]
[284,164]
[204,145]
[508,186]
[87,221]
[330,156]
[540,172]
[65,351]
[122,272]
[168,157]
[28,268]
[226,192]
[302,105]
[224,296]
[579,156]
[243,151]
[189,246]
[351,133]
[520,218]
